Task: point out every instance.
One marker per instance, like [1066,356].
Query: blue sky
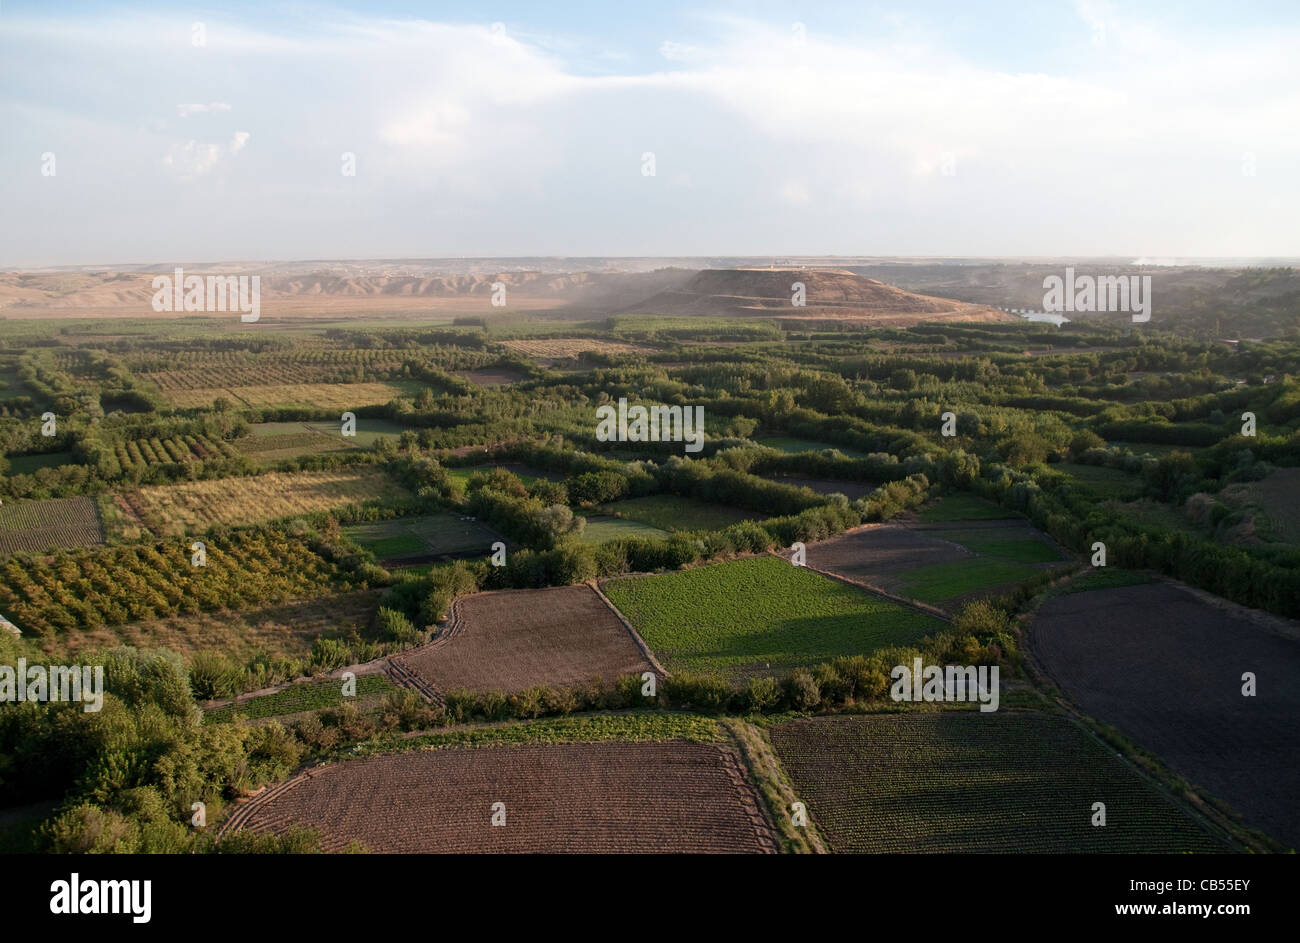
[1056,128]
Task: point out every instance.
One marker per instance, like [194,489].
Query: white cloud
[186,110]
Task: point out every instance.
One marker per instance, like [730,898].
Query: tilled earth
[569,798]
[1165,667]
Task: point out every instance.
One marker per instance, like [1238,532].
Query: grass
[601,529]
[670,512]
[795,446]
[196,505]
[996,543]
[434,533]
[303,696]
[961,506]
[759,614]
[1101,481]
[939,582]
[631,726]
[1103,578]
[463,473]
[28,464]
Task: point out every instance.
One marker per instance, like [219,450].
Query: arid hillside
[827,293]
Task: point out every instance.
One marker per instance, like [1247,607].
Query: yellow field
[308,395]
[193,506]
[570,347]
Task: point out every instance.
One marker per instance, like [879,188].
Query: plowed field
[570,798]
[516,639]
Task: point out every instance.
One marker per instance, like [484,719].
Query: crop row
[116,585]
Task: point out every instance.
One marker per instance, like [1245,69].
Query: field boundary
[631,630]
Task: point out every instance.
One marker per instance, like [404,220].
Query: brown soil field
[577,798]
[878,553]
[58,522]
[288,629]
[1164,665]
[510,640]
[850,489]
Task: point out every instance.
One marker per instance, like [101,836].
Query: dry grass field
[511,640]
[572,798]
[564,347]
[195,505]
[306,395]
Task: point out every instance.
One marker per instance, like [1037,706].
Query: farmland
[568,347]
[939,563]
[303,696]
[757,615]
[1192,654]
[200,524]
[565,798]
[671,513]
[116,585]
[962,781]
[341,396]
[423,538]
[285,629]
[518,639]
[58,522]
[194,506]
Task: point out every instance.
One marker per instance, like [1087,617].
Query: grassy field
[601,529]
[961,506]
[1004,543]
[303,696]
[27,464]
[196,505]
[1101,481]
[794,446]
[762,613]
[431,534]
[962,781]
[940,582]
[670,512]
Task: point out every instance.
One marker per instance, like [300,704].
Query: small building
[9,626]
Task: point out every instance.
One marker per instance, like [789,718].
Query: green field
[961,506]
[671,512]
[1109,577]
[794,446]
[940,582]
[1101,481]
[997,542]
[27,464]
[463,473]
[963,781]
[303,696]
[431,534]
[757,614]
[601,529]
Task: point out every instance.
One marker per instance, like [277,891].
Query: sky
[152,132]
